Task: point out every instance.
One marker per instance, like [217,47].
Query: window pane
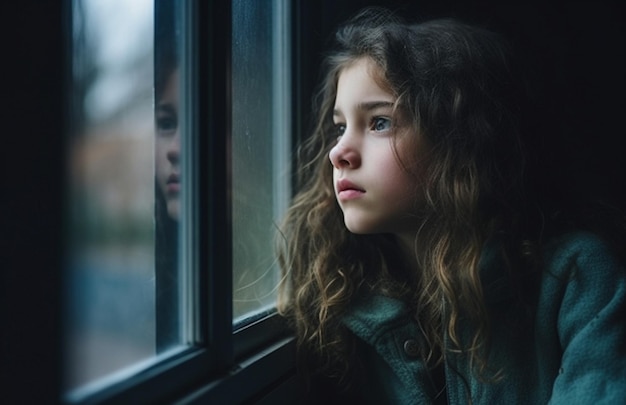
[260,148]
[123,292]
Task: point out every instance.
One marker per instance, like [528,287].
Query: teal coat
[573,351]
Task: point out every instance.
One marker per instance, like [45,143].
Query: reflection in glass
[120,309]
[168,176]
[260,149]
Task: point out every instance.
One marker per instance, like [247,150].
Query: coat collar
[373,314]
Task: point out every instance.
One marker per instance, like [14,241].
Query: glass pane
[260,148]
[168,173]
[123,293]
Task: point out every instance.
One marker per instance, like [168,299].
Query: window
[174,194]
[130,295]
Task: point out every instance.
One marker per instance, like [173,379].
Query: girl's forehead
[374,72]
[357,84]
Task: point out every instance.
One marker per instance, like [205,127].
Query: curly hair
[456,83]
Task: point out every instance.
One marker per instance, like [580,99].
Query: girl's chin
[173,209]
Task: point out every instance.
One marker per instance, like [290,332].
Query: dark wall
[33,108]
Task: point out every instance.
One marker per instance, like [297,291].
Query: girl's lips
[173,184]
[346,190]
[173,188]
[349,194]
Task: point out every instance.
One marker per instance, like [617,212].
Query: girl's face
[167,146]
[375,192]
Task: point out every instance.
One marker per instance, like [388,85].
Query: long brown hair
[455,82]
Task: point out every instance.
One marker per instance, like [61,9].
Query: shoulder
[582,280]
[373,315]
[569,254]
[583,294]
[581,271]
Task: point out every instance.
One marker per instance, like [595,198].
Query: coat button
[411,348]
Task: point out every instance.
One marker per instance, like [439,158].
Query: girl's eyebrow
[368,106]
[166,107]
[373,105]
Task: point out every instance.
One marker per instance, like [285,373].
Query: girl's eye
[339,130]
[166,124]
[380,124]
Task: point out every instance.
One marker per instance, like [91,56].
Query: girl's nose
[173,149]
[343,155]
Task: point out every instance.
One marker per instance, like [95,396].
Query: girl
[416,271]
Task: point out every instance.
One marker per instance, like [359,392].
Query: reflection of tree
[112,66]
[112,123]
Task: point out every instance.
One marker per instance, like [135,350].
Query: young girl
[416,270]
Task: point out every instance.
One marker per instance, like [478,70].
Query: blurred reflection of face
[167,146]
